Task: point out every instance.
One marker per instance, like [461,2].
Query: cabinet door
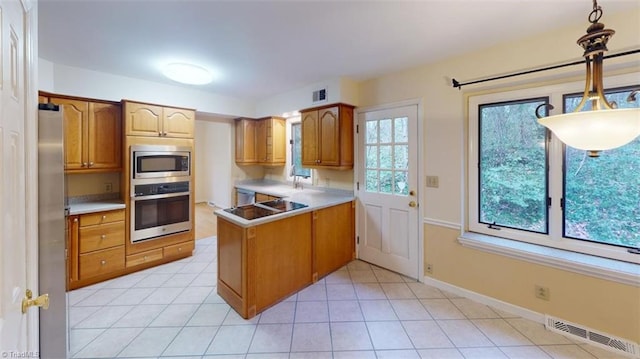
[73,249]
[309,128]
[279,141]
[143,119]
[262,140]
[329,136]
[245,141]
[178,123]
[76,115]
[105,136]
[334,238]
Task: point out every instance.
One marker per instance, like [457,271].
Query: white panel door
[387,189]
[13,238]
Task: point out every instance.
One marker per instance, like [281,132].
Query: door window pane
[513,166]
[402,184]
[401,133]
[372,132]
[602,195]
[386,161]
[371,181]
[385,131]
[401,157]
[386,181]
[385,157]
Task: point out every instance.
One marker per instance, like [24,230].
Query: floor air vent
[592,337]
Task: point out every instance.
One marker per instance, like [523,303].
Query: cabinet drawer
[144,257]
[179,249]
[101,262]
[101,237]
[91,219]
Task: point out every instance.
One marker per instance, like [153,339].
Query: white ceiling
[263,48]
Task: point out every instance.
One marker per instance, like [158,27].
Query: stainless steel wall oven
[160,208]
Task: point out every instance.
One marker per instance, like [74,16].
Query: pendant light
[604,126]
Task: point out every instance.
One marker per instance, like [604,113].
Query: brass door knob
[413,204]
[42,301]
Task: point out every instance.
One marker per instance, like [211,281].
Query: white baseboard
[484,299]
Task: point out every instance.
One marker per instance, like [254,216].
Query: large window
[513,166]
[525,184]
[602,195]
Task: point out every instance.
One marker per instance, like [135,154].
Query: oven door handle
[158,196]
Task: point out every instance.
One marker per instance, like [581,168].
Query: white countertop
[92,207]
[315,198]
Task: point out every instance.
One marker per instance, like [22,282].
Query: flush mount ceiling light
[604,126]
[187,73]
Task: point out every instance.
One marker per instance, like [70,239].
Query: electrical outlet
[542,292]
[108,187]
[433,181]
[429,268]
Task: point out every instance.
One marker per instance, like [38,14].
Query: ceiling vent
[320,95]
[590,336]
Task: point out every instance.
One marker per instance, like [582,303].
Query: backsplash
[93,198]
[79,185]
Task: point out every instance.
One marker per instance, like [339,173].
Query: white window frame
[554,238]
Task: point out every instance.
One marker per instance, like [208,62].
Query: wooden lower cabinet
[261,265]
[179,250]
[96,249]
[101,262]
[333,238]
[144,257]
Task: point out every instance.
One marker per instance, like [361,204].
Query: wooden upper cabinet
[92,135]
[148,120]
[246,141]
[327,136]
[261,141]
[142,119]
[271,141]
[310,143]
[105,136]
[178,122]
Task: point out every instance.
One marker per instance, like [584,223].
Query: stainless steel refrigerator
[52,208]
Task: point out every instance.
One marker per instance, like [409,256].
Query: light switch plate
[433,181]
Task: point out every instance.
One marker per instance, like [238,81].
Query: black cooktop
[250,211]
[283,205]
[263,209]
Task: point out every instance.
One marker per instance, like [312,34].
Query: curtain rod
[459,85]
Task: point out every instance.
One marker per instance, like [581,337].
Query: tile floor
[359,311]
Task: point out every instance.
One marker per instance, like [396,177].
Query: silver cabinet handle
[103,262]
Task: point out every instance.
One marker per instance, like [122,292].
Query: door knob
[41,301]
[413,204]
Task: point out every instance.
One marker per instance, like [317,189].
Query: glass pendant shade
[604,126]
[595,130]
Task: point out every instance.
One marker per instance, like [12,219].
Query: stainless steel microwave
[152,161]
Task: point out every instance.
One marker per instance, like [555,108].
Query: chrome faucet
[296,182]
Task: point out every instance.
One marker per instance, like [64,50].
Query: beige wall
[91,184]
[602,305]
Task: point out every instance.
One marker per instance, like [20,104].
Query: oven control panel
[161,188]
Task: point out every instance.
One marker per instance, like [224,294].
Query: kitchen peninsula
[264,260]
